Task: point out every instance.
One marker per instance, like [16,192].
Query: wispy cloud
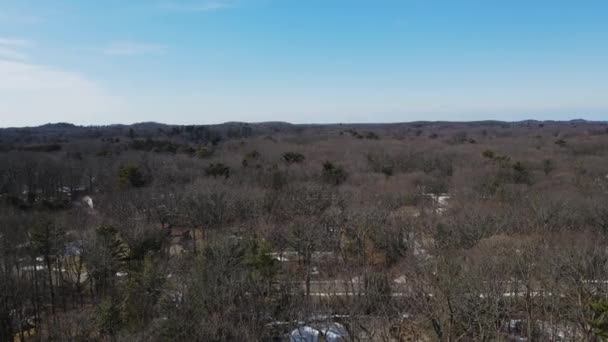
[30,92]
[12,48]
[128,48]
[12,54]
[196,6]
[35,94]
[15,42]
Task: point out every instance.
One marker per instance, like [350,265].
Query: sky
[301,61]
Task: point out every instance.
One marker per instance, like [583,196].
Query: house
[440,202]
[88,201]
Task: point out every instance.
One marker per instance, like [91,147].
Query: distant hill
[61,132]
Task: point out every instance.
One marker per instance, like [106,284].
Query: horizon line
[303,124]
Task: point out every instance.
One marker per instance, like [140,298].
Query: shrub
[548,166]
[387,171]
[160,146]
[372,136]
[437,164]
[108,317]
[599,323]
[458,138]
[488,154]
[278,178]
[560,142]
[130,175]
[217,169]
[253,155]
[293,157]
[185,149]
[334,174]
[521,174]
[204,152]
[43,148]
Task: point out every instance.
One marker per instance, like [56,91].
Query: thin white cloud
[32,94]
[129,49]
[195,6]
[14,42]
[11,54]
[12,48]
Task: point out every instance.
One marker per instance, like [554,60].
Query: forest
[421,231]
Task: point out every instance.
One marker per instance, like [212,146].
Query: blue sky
[199,61]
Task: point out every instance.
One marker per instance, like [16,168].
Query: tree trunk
[50,275]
